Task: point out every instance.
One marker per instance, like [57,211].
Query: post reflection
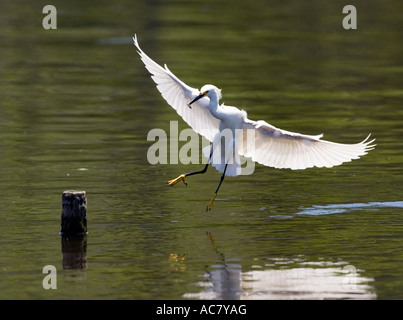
[74,251]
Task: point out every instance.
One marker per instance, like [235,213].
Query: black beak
[201,95]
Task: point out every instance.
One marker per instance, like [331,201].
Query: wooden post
[74,213]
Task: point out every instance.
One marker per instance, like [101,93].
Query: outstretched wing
[178,95]
[278,148]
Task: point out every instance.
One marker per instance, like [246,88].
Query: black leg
[197,172]
[218,188]
[182,176]
[222,178]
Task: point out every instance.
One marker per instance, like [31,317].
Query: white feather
[178,95]
[270,146]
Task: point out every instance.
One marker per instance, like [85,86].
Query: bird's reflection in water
[304,280]
[225,278]
[177,261]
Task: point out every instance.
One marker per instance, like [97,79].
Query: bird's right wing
[279,148]
[178,95]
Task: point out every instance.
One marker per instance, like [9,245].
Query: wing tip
[368,145]
[136,43]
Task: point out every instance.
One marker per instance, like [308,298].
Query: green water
[76,105]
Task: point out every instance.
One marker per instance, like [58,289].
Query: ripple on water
[342,208]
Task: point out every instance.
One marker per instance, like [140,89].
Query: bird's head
[208,90]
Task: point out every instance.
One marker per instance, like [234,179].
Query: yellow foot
[211,202]
[176,180]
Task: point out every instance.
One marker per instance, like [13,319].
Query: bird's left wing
[278,148]
[178,95]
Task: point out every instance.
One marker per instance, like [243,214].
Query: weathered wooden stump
[74,213]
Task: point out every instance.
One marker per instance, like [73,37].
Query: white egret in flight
[272,146]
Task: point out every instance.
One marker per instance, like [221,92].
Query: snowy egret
[272,146]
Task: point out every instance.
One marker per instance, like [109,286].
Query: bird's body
[228,128]
[231,120]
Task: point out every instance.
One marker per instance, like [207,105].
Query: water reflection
[276,280]
[330,282]
[341,208]
[74,251]
[224,282]
[177,261]
[228,281]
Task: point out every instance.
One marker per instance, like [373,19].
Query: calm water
[76,105]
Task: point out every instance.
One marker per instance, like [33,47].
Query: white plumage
[178,95]
[271,146]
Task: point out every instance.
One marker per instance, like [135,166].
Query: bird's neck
[214,108]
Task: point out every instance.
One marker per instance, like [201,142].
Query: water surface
[76,105]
